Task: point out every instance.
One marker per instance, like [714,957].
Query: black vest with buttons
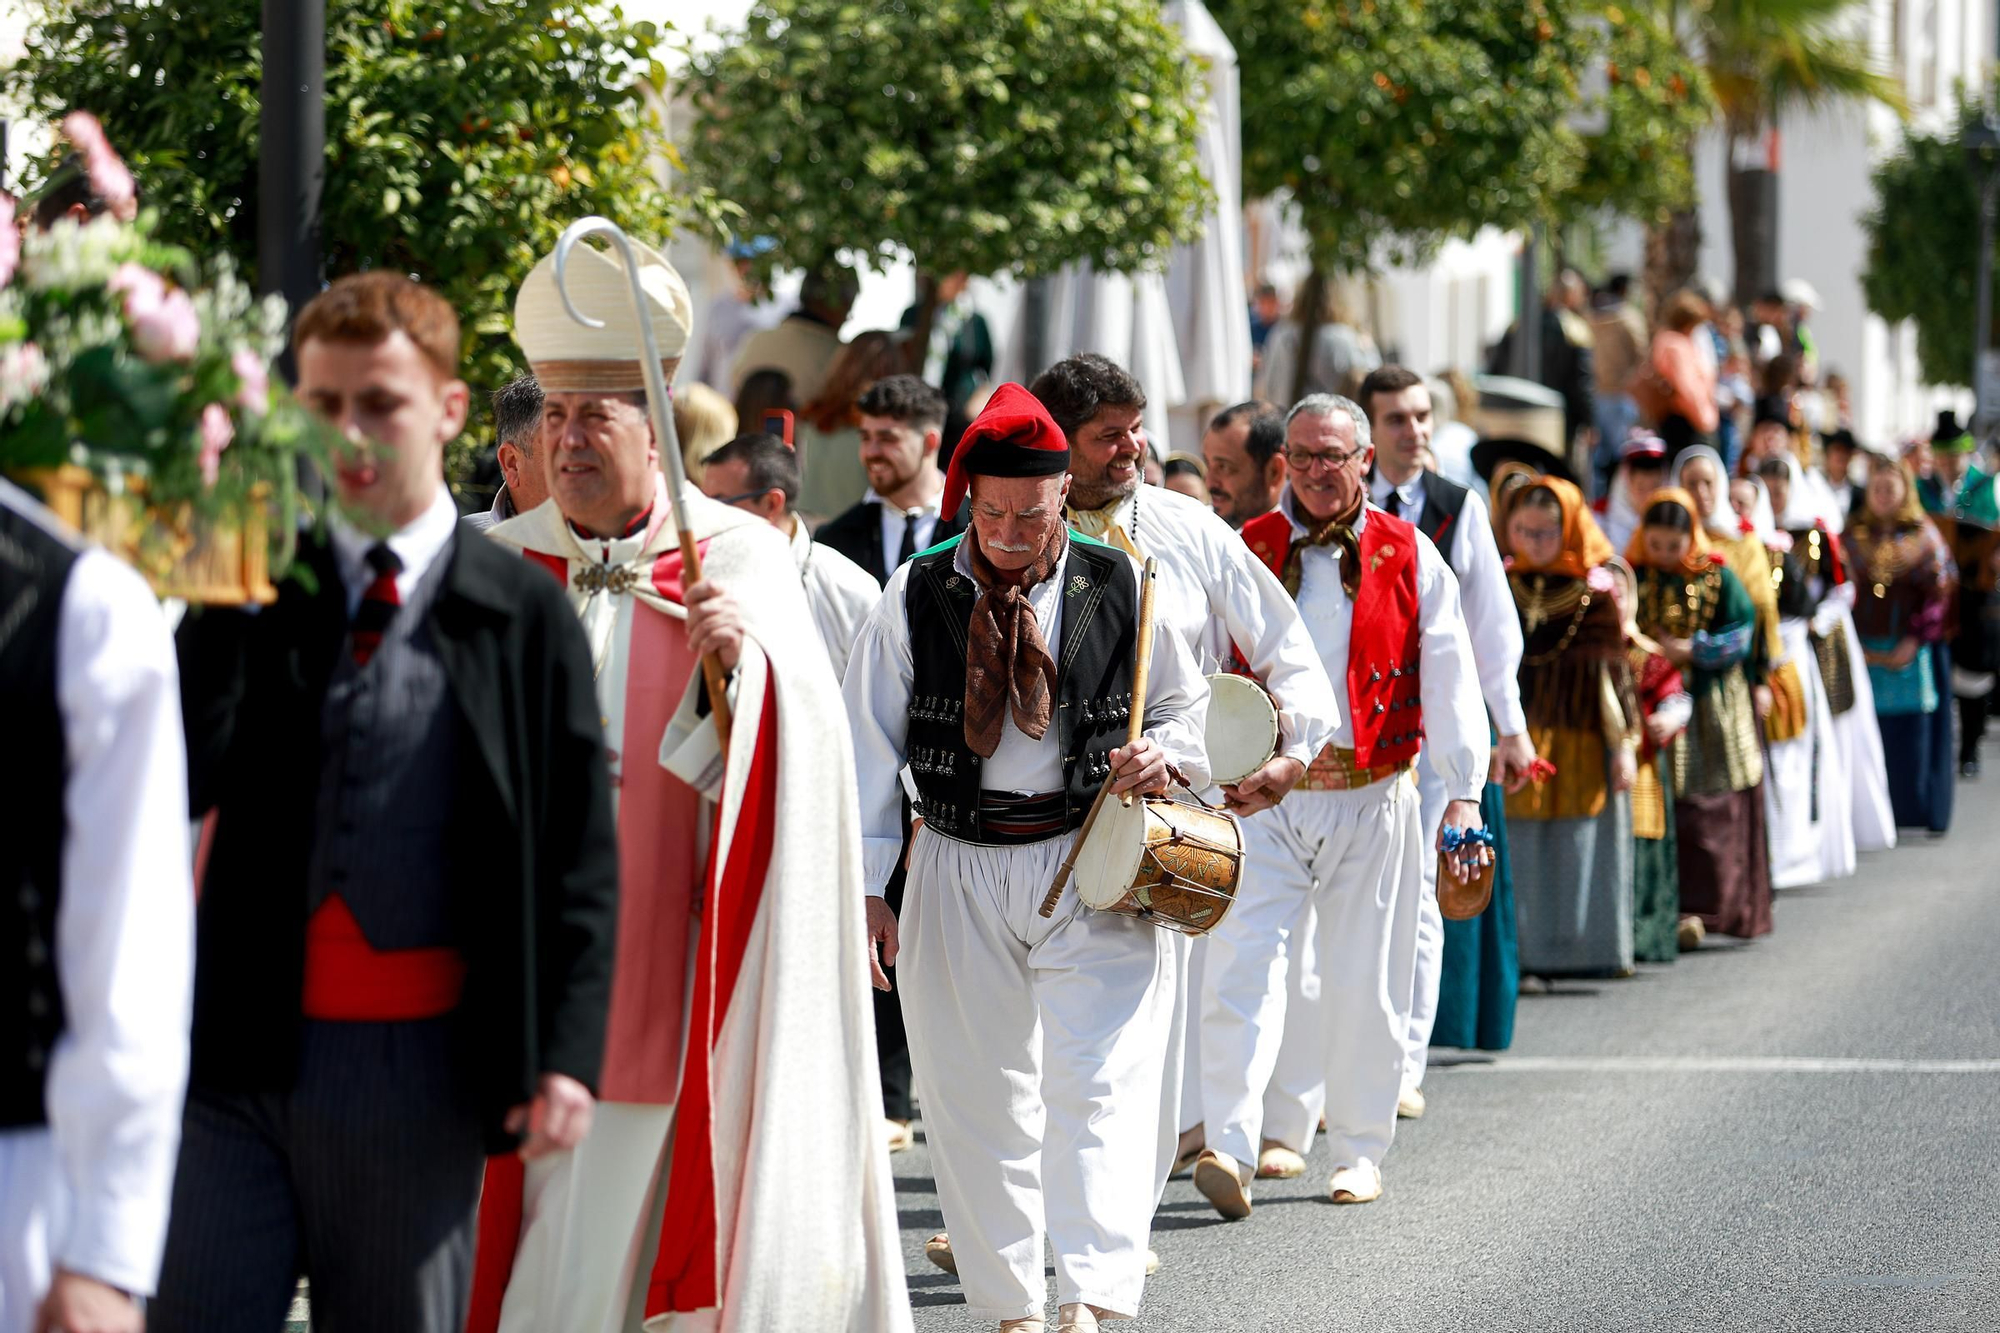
[1444,501]
[1100,615]
[34,568]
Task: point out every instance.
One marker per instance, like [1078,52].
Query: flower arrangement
[129,369]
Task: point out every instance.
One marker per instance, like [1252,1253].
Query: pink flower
[254,397]
[110,180]
[10,240]
[142,289]
[217,430]
[1598,580]
[169,331]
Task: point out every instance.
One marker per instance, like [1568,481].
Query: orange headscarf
[1584,545]
[1697,560]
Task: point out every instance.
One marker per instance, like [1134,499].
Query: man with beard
[1039,1041]
[1383,610]
[1244,448]
[901,423]
[1220,601]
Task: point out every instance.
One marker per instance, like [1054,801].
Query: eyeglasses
[1309,460]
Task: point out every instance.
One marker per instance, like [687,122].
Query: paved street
[1795,1134]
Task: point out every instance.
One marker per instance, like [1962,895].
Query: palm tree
[1766,59]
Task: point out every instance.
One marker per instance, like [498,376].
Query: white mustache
[1011,550]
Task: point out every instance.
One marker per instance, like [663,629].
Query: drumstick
[1142,655]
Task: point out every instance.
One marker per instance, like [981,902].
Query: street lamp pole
[291,155]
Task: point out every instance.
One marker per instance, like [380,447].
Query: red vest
[1384,696]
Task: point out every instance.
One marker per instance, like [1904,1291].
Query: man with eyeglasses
[1382,607]
[760,474]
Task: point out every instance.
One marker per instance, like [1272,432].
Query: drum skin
[1189,862]
[1241,732]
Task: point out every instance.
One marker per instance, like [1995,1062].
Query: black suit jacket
[857,534]
[535,858]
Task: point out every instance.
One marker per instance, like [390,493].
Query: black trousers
[892,1044]
[364,1178]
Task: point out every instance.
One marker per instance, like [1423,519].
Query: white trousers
[1430,926]
[1188,1111]
[1039,1049]
[34,1205]
[1354,855]
[1296,1094]
[590,1227]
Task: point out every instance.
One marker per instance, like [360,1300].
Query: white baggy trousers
[1038,1046]
[1356,857]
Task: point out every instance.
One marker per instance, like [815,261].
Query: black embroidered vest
[1100,613]
[1444,501]
[34,569]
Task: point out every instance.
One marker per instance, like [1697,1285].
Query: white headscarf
[1808,500]
[1723,521]
[1761,521]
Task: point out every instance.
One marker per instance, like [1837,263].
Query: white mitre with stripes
[571,357]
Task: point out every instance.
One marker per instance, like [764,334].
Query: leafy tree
[1394,126]
[1766,58]
[1922,232]
[989,136]
[1655,101]
[461,136]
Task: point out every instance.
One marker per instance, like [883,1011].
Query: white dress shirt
[1488,604]
[1455,734]
[840,592]
[417,544]
[124,941]
[1214,592]
[878,685]
[894,520]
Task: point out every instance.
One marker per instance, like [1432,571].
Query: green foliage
[1656,101]
[461,135]
[1397,125]
[1923,242]
[1767,56]
[991,136]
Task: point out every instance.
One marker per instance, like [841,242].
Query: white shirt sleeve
[1456,739]
[125,929]
[1490,618]
[1177,707]
[880,673]
[1264,624]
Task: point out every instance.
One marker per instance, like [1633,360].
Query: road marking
[1723,1064]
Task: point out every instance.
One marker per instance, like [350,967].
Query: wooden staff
[1142,662]
[659,408]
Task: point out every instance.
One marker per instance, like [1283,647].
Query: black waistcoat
[1100,614]
[34,568]
[1444,501]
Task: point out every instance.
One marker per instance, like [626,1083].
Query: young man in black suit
[405,927]
[902,422]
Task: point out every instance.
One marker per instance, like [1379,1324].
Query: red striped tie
[378,603]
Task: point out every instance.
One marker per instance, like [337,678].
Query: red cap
[1013,437]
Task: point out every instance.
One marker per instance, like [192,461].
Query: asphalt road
[1794,1134]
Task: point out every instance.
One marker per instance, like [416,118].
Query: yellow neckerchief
[1103,525]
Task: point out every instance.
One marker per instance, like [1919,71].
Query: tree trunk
[919,344]
[1673,252]
[1308,307]
[1753,218]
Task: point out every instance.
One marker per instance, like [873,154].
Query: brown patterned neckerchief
[1338,530]
[1007,663]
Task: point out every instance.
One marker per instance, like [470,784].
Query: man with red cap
[998,668]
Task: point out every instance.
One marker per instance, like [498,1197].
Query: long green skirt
[1481,974]
[1656,889]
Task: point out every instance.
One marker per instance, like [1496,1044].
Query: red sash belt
[350,981]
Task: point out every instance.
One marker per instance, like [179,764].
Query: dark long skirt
[1917,751]
[1656,889]
[1725,861]
[1481,973]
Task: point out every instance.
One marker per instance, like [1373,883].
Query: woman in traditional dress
[1779,699]
[1665,707]
[1571,834]
[1904,580]
[1701,617]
